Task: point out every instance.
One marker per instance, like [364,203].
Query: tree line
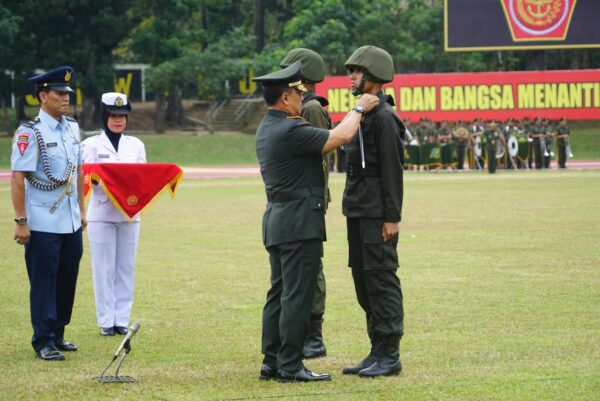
[195,46]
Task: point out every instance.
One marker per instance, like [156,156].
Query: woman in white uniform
[113,239]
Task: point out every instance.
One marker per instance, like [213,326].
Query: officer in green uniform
[538,133]
[313,111]
[290,153]
[422,131]
[372,204]
[492,135]
[563,134]
[460,135]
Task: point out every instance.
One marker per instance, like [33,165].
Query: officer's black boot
[388,360]
[313,345]
[368,361]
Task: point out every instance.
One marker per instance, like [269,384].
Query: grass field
[500,276]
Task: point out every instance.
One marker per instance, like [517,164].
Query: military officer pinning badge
[132,200]
[22,142]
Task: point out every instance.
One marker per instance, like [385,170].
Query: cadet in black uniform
[372,205]
[313,111]
[290,153]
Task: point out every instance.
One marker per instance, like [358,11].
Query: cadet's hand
[369,102]
[389,230]
[22,233]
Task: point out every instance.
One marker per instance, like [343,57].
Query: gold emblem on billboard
[539,13]
[538,19]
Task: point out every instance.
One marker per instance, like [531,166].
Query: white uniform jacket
[99,149]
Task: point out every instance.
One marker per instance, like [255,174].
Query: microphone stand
[116,378]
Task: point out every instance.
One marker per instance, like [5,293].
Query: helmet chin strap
[359,90]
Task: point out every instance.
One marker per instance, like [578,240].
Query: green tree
[77,33]
[9,29]
[164,30]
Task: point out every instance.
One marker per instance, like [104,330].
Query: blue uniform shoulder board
[71,119]
[31,123]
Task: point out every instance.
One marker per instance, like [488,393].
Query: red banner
[131,187]
[494,95]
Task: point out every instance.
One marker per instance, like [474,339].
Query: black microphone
[135,326]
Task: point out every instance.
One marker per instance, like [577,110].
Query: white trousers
[113,247]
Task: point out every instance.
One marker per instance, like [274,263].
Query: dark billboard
[520,24]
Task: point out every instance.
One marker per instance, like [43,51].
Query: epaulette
[324,102]
[31,123]
[71,119]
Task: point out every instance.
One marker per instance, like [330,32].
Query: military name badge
[538,19]
[22,142]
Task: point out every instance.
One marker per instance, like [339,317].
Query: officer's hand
[368,101]
[22,233]
[389,230]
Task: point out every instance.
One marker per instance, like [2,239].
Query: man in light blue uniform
[47,196]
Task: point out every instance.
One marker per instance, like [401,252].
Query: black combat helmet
[376,63]
[313,66]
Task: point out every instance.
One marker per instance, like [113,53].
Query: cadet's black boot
[313,345]
[388,359]
[368,361]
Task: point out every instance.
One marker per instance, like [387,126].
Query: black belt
[370,170]
[297,194]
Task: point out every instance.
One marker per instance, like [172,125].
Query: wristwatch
[359,109]
[21,220]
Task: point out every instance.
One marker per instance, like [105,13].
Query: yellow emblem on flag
[132,200]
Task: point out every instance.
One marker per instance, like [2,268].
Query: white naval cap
[116,103]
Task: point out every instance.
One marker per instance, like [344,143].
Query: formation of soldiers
[513,144]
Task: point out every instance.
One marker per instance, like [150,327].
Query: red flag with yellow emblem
[131,187]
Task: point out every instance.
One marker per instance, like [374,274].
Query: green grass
[236,148]
[499,273]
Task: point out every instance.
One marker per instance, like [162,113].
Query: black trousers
[374,264]
[52,266]
[286,314]
[539,153]
[491,158]
[318,307]
[460,154]
[562,156]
